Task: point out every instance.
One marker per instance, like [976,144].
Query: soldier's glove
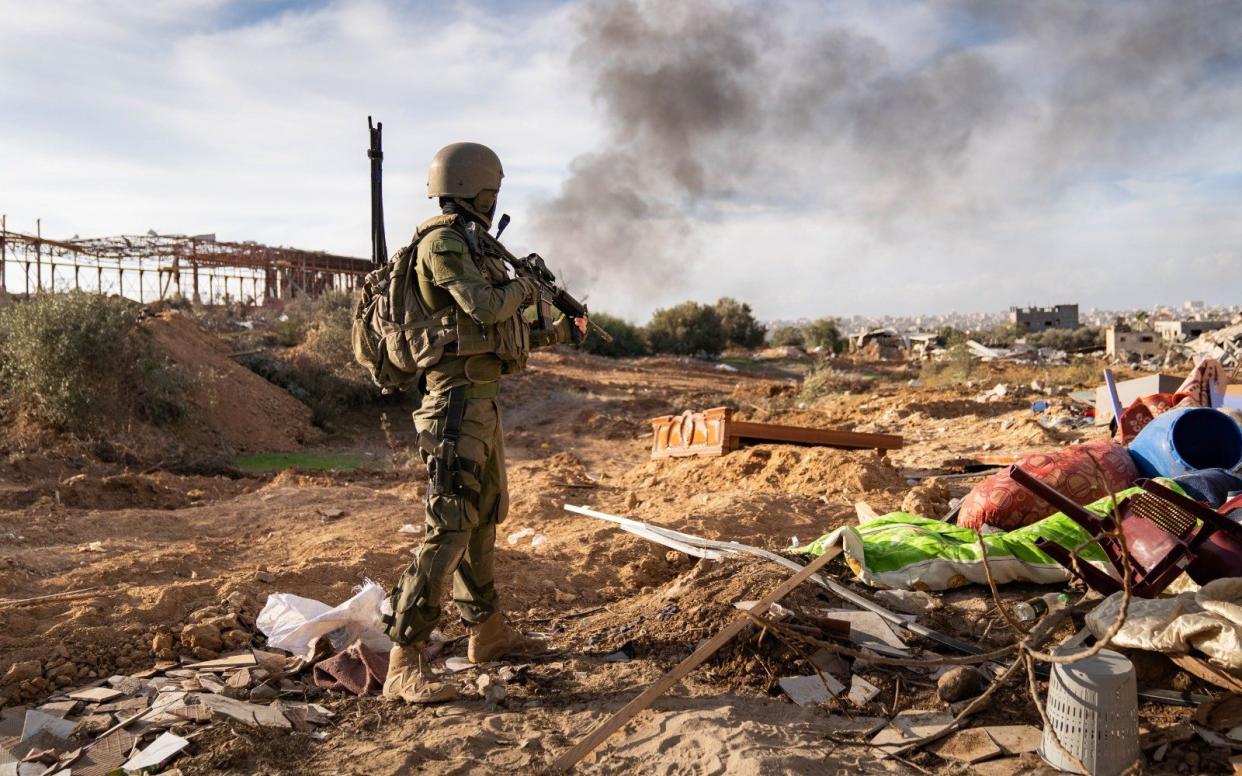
[565,330]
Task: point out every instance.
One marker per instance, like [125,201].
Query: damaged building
[1123,341]
[1032,319]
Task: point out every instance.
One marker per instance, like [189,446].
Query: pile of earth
[90,645]
[229,407]
[804,471]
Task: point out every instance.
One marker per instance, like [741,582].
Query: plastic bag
[294,623]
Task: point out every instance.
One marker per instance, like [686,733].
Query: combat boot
[410,678]
[494,638]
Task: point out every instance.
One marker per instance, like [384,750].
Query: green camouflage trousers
[461,535]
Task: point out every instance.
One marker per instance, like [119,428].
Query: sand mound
[946,409]
[230,406]
[803,471]
[1026,432]
[759,390]
[119,492]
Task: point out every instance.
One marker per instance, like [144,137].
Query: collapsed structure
[150,267]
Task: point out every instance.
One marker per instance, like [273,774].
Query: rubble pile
[879,652]
[146,719]
[1224,345]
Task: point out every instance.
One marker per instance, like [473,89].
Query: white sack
[294,623]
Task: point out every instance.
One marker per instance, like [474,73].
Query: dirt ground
[153,547]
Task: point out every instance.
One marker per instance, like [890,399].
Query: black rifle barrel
[379,243]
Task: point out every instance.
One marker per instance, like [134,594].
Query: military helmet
[463,170]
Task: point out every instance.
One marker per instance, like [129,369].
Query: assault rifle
[379,244]
[534,268]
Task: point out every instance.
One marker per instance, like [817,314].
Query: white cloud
[123,117]
[246,119]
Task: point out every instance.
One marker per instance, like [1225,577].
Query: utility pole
[3,249]
[38,254]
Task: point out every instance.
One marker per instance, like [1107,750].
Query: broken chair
[1165,534]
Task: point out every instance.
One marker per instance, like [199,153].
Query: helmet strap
[467,207]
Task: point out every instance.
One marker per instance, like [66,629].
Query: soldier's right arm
[450,266]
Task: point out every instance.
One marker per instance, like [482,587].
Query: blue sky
[1104,168]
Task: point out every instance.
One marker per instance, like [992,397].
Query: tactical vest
[401,328]
[509,339]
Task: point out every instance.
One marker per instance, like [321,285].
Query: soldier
[459,424]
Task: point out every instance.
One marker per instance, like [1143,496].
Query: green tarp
[905,551]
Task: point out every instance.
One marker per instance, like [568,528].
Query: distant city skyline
[978,321]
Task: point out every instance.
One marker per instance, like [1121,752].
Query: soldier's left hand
[582,324]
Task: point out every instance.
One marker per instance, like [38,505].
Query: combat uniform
[471,329]
[493,339]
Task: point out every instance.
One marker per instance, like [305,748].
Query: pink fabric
[1145,409]
[358,669]
[1001,502]
[1208,378]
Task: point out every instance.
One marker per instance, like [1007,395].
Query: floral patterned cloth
[1001,502]
[1200,388]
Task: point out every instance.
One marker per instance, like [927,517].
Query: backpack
[395,337]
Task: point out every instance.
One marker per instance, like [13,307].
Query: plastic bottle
[1038,607]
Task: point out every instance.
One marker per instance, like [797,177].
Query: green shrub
[1080,339]
[328,331]
[322,374]
[311,381]
[687,329]
[957,368]
[627,338]
[294,321]
[1001,336]
[740,327]
[786,336]
[78,362]
[950,336]
[823,380]
[824,334]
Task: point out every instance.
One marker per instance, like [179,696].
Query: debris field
[129,594]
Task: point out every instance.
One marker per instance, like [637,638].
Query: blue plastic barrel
[1185,440]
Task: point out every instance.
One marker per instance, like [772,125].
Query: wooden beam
[1207,672]
[771,432]
[714,432]
[597,735]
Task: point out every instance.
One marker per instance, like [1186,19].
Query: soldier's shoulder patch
[448,242]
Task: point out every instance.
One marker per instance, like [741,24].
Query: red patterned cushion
[999,501]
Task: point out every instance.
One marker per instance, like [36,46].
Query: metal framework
[151,267]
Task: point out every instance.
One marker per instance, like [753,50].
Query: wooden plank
[227,663]
[771,432]
[1207,672]
[96,694]
[713,432]
[48,597]
[865,513]
[597,735]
